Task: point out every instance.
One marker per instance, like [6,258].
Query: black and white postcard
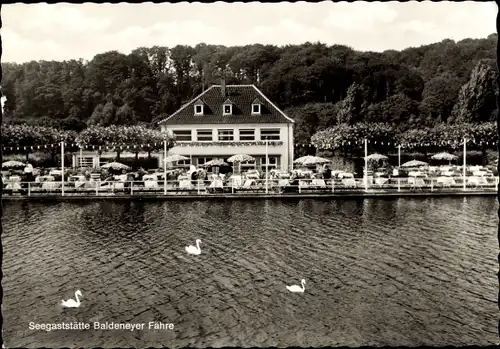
[249,174]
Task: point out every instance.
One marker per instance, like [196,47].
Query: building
[228,120]
[89,158]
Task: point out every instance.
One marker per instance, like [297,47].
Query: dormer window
[256,104]
[198,108]
[227,107]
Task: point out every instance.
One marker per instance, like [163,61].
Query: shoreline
[229,196]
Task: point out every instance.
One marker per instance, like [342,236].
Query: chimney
[223,86]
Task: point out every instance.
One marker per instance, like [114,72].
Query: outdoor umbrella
[13,164]
[414,163]
[28,168]
[310,160]
[175,157]
[116,166]
[241,158]
[215,163]
[376,157]
[444,156]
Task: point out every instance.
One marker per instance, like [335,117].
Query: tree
[418,139]
[417,87]
[398,110]
[107,71]
[203,70]
[309,119]
[110,114]
[349,138]
[350,109]
[125,115]
[477,99]
[439,96]
[50,135]
[22,137]
[154,140]
[135,138]
[27,139]
[96,137]
[181,56]
[479,136]
[409,83]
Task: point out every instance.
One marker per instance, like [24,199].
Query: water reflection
[379,272]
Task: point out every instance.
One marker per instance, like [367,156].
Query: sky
[72,31]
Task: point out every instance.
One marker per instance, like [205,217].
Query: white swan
[296,288]
[71,303]
[194,249]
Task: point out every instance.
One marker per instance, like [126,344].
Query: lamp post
[465,161]
[366,165]
[399,156]
[165,167]
[62,168]
[267,167]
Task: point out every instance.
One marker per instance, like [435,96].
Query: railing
[237,187]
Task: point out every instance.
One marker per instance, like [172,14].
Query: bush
[43,160]
[145,163]
[35,159]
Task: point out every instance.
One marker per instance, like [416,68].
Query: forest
[325,89]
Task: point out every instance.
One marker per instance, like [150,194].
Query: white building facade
[228,120]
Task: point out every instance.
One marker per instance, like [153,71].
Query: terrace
[183,182]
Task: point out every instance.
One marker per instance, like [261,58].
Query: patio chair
[249,185]
[381,181]
[349,182]
[477,182]
[318,183]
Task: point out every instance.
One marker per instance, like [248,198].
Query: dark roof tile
[242,97]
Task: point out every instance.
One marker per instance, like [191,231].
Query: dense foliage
[28,139]
[385,137]
[318,85]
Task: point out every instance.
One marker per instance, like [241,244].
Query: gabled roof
[241,96]
[256,101]
[199,102]
[228,101]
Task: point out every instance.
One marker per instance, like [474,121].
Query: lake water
[378,272]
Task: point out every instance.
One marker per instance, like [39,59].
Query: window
[204,135]
[245,166]
[247,135]
[270,134]
[226,135]
[202,161]
[182,135]
[198,109]
[228,109]
[86,161]
[273,163]
[184,162]
[256,106]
